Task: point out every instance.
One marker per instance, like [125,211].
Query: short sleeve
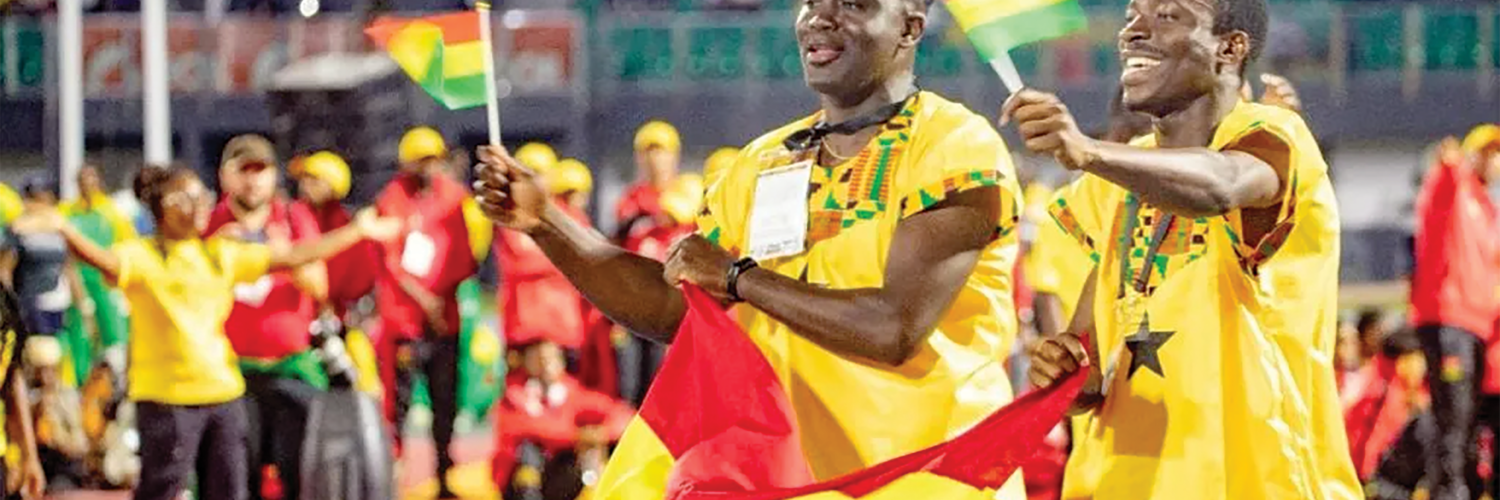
[1079,209]
[242,262]
[135,257]
[712,220]
[1281,139]
[970,156]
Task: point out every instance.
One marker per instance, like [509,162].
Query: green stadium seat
[1027,59]
[716,53]
[776,54]
[1377,40]
[1106,60]
[1495,42]
[938,58]
[642,53]
[1451,40]
[32,46]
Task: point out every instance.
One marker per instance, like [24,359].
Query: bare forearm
[858,322]
[329,245]
[1049,314]
[1192,182]
[626,287]
[91,253]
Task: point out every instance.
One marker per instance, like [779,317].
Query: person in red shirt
[1454,299]
[268,326]
[658,153]
[322,183]
[679,203]
[536,300]
[417,292]
[542,418]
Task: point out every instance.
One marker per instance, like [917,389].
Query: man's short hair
[1249,16]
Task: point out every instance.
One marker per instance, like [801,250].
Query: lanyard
[805,139]
[1143,278]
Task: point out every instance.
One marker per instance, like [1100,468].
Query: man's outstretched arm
[626,287]
[931,257]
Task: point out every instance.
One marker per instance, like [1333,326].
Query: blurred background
[1380,80]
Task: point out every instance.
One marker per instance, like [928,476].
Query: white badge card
[418,254]
[778,216]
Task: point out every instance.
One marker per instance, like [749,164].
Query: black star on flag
[1143,348]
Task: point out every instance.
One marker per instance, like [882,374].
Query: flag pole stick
[1006,68]
[491,102]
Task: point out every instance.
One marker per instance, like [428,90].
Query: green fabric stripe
[996,37]
[453,93]
[304,366]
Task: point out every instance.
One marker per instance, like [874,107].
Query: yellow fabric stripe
[463,59]
[973,13]
[919,485]
[414,46]
[638,468]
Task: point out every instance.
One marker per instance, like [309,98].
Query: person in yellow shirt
[183,374]
[1213,304]
[888,313]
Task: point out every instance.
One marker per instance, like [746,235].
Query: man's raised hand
[510,194]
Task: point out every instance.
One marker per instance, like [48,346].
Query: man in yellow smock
[1214,297]
[887,311]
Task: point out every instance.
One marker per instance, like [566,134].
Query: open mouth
[1137,68]
[822,54]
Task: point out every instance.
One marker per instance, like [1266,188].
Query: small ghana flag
[996,26]
[442,53]
[718,425]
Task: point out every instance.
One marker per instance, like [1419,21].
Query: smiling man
[1214,297]
[870,243]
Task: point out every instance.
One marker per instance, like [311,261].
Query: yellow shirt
[10,204]
[1223,383]
[178,352]
[1056,264]
[122,226]
[854,413]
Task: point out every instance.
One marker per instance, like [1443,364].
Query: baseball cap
[569,175]
[329,168]
[421,143]
[249,153]
[658,134]
[537,156]
[1483,136]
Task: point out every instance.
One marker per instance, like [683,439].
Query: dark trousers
[639,360]
[1444,443]
[277,408]
[179,441]
[437,358]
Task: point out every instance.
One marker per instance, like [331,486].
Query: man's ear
[915,27]
[1234,49]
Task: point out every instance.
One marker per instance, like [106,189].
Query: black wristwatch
[732,281]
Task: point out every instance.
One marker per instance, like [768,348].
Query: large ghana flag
[718,425]
[442,53]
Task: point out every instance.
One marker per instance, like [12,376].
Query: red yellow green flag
[718,425]
[996,26]
[442,53]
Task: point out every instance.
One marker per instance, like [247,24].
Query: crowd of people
[1188,266]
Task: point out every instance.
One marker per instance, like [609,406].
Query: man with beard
[268,326]
[893,183]
[1214,300]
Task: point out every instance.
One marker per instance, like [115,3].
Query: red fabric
[598,369]
[438,214]
[640,200]
[537,300]
[1021,290]
[722,413]
[1376,409]
[1457,273]
[270,323]
[654,241]
[1044,472]
[349,273]
[524,415]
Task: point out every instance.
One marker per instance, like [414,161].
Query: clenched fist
[1054,358]
[696,260]
[510,194]
[1047,127]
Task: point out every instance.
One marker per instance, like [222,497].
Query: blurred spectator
[644,228]
[61,442]
[95,214]
[36,264]
[1388,393]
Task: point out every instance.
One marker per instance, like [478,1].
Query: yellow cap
[719,161]
[658,134]
[683,199]
[1483,136]
[421,143]
[327,167]
[537,156]
[570,176]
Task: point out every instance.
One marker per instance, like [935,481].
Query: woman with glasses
[183,374]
